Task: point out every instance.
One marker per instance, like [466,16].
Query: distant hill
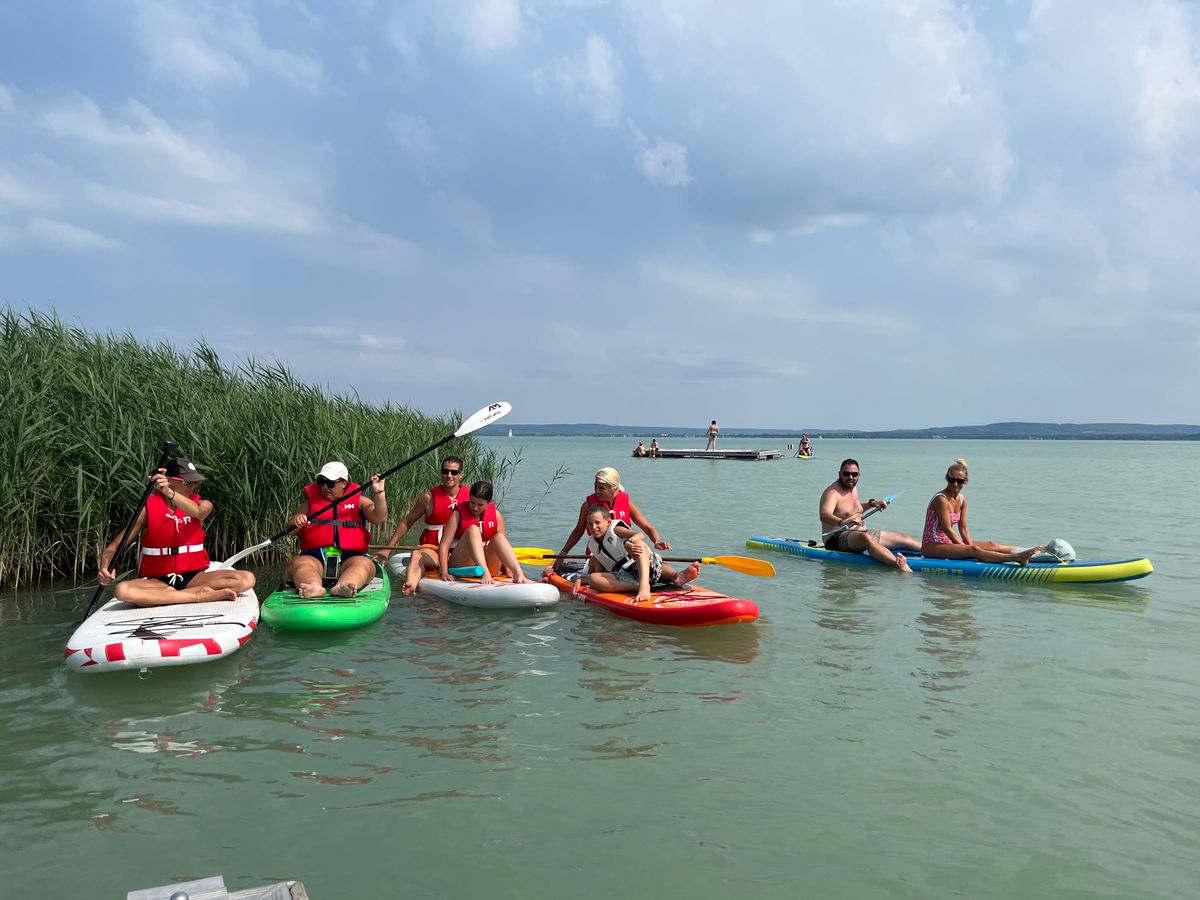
[1094,431]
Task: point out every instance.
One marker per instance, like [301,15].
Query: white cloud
[71,237]
[801,111]
[7,101]
[142,135]
[486,27]
[17,190]
[413,136]
[210,43]
[664,163]
[591,78]
[361,340]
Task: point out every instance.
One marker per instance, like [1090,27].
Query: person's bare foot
[518,577]
[1023,557]
[344,589]
[902,563]
[643,595]
[691,573]
[310,591]
[209,594]
[547,572]
[409,589]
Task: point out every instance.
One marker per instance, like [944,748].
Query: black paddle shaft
[362,487]
[170,448]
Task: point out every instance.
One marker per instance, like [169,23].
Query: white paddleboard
[121,636]
[500,594]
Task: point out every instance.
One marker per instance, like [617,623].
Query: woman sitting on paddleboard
[173,561]
[948,510]
[610,494]
[620,560]
[474,535]
[333,546]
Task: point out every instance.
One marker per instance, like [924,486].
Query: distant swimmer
[842,522]
[713,431]
[948,511]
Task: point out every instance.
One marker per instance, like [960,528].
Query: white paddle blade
[242,554]
[486,416]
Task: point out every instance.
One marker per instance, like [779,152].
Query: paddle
[491,413]
[744,564]
[169,450]
[870,512]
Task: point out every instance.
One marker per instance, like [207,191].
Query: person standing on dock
[713,431]
[842,522]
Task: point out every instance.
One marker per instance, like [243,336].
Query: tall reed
[83,417]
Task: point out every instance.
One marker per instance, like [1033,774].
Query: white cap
[334,471]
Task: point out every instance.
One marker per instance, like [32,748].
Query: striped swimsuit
[933,533]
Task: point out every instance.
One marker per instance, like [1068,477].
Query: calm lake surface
[872,735]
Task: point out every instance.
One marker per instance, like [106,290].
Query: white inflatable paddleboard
[500,594]
[121,636]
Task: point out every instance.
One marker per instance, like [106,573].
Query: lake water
[872,735]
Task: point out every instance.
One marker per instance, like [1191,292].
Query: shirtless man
[842,522]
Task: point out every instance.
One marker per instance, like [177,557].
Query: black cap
[182,467]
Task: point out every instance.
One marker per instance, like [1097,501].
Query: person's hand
[881,504]
[378,485]
[299,520]
[162,484]
[660,544]
[105,575]
[446,576]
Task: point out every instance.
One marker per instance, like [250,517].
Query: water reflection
[949,636]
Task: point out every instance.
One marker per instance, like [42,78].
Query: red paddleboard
[687,606]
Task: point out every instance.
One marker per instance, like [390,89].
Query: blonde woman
[611,494]
[946,512]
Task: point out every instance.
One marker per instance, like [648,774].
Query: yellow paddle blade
[744,564]
[533,554]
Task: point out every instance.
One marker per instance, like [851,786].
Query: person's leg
[973,551]
[680,577]
[609,583]
[860,541]
[423,559]
[898,540]
[356,573]
[238,579]
[500,551]
[306,572]
[152,592]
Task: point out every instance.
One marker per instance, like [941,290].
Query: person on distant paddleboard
[713,431]
[334,545]
[804,450]
[621,562]
[173,561]
[948,511]
[610,493]
[434,506]
[841,513]
[474,536]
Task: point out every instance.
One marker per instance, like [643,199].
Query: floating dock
[715,454]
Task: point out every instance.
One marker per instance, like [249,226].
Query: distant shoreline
[1002,431]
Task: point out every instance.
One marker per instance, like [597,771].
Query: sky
[863,214]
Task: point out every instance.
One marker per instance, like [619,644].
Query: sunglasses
[451,471]
[849,474]
[322,481]
[950,480]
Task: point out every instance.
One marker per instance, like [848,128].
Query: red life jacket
[173,541]
[489,522]
[619,507]
[443,505]
[343,526]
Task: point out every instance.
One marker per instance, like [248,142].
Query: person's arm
[448,532]
[176,495]
[105,573]
[576,532]
[374,508]
[643,523]
[418,511]
[941,508]
[962,522]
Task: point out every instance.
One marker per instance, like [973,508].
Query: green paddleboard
[288,611]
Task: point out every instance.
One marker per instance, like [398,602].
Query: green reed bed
[83,417]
